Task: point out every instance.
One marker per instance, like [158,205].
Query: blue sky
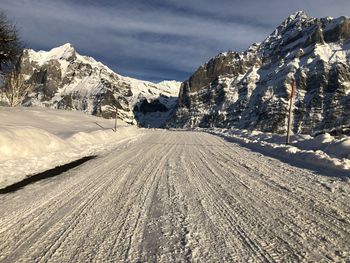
[158,39]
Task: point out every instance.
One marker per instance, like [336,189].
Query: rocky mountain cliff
[251,89]
[66,80]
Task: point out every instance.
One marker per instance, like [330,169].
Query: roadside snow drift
[323,150]
[33,140]
[21,142]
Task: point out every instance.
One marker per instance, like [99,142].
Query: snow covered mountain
[66,80]
[252,89]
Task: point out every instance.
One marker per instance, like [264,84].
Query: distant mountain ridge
[251,89]
[64,79]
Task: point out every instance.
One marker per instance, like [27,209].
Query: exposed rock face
[66,80]
[252,89]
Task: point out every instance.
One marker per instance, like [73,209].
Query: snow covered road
[177,196]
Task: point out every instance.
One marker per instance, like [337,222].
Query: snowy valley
[99,167]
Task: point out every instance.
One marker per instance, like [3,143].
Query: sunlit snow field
[36,139]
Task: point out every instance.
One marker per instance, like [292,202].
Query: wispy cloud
[155,39]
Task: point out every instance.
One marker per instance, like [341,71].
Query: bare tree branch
[10,45]
[16,87]
[12,83]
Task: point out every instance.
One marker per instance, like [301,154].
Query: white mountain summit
[67,80]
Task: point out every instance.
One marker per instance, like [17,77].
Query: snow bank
[323,150]
[96,137]
[21,142]
[52,138]
[61,123]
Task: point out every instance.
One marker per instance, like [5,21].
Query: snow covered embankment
[42,144]
[323,151]
[27,150]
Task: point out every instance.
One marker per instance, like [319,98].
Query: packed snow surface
[36,139]
[179,197]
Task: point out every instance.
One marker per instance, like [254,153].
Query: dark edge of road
[47,174]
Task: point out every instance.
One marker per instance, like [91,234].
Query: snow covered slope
[251,89]
[34,139]
[67,80]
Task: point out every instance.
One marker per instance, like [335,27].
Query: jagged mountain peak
[296,19]
[251,90]
[298,15]
[65,79]
[64,47]
[293,24]
[64,52]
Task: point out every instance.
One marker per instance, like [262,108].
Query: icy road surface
[178,197]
